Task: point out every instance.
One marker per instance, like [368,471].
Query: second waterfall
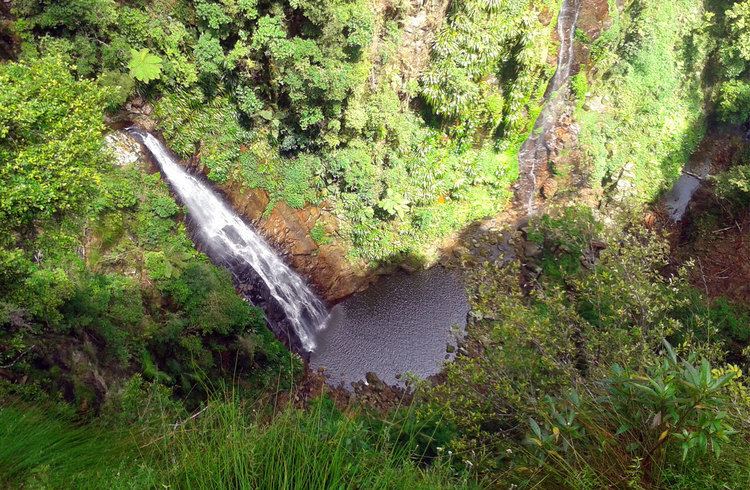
[237,246]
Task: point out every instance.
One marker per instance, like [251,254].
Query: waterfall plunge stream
[237,246]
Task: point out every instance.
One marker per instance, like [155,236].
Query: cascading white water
[224,230]
[535,149]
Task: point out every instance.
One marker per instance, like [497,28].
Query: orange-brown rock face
[325,266]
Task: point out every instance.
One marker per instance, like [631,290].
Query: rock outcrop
[325,265]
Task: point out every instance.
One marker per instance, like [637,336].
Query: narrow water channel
[535,151]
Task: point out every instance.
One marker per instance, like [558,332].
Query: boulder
[124,147]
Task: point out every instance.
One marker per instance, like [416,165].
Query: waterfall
[535,149]
[238,246]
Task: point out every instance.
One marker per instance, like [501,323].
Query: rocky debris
[593,20]
[138,105]
[624,186]
[376,394]
[488,241]
[549,188]
[372,393]
[532,249]
[124,147]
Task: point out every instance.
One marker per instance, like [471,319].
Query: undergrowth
[226,444]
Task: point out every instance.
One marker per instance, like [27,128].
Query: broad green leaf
[144,66]
[535,428]
[670,351]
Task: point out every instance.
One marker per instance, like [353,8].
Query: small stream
[535,151]
[677,199]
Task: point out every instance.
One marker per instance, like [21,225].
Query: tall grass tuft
[227,444]
[318,448]
[43,451]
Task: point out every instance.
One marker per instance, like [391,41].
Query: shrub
[733,185]
[50,140]
[484,54]
[580,85]
[654,119]
[298,185]
[353,169]
[641,419]
[734,102]
[319,235]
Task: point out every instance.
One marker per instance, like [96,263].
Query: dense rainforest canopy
[605,345]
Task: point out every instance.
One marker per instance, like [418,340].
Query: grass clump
[226,444]
[44,451]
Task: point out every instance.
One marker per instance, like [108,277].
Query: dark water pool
[403,323]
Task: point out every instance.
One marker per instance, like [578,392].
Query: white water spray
[223,230]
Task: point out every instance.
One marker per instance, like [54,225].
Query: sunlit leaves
[144,66]
[393,204]
[51,139]
[472,59]
[209,55]
[738,22]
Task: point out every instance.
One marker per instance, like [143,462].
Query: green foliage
[301,99]
[248,101]
[394,205]
[111,307]
[643,417]
[224,445]
[318,448]
[44,451]
[144,66]
[733,185]
[651,116]
[564,240]
[315,77]
[50,137]
[190,124]
[319,235]
[209,55]
[733,33]
[355,172]
[118,280]
[297,186]
[580,85]
[732,320]
[600,299]
[49,14]
[734,102]
[488,64]
[163,206]
[119,85]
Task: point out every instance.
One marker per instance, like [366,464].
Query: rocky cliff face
[325,265]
